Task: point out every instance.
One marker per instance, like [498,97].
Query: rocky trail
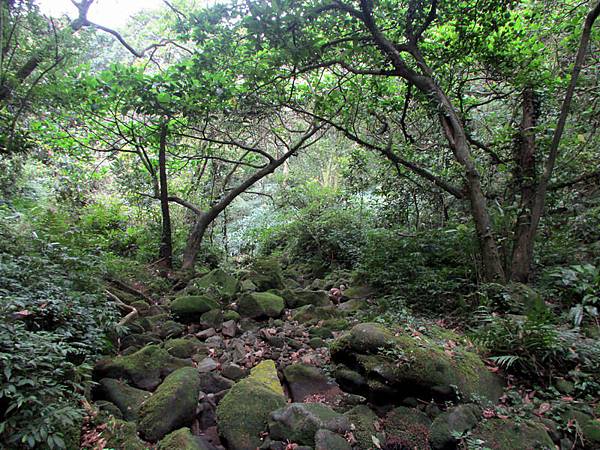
[264,362]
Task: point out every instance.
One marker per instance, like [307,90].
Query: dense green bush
[432,269]
[54,319]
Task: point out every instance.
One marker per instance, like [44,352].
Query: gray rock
[328,440]
[207,365]
[299,422]
[229,328]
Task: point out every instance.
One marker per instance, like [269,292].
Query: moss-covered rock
[107,409]
[231,315]
[189,308]
[407,428]
[304,381]
[247,285]
[172,406]
[181,439]
[170,329]
[122,435]
[310,313]
[183,347]
[211,319]
[244,411]
[587,424]
[218,281]
[258,305]
[336,324]
[363,423]
[298,422]
[417,366]
[128,399]
[144,369]
[302,297]
[328,440]
[456,420]
[499,434]
[266,274]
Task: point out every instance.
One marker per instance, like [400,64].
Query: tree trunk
[526,183]
[526,240]
[204,219]
[166,242]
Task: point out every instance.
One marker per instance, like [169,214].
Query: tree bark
[166,242]
[525,256]
[525,180]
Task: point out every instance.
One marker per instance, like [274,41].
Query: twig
[133,312]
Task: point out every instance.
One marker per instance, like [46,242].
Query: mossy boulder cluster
[190,308]
[259,305]
[244,411]
[172,406]
[145,369]
[383,364]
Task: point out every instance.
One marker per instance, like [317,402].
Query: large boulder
[311,313]
[363,422]
[257,305]
[217,281]
[183,347]
[266,274]
[402,365]
[172,406]
[183,439]
[586,423]
[244,411]
[500,434]
[145,368]
[299,422]
[302,297]
[453,422]
[189,308]
[128,399]
[305,381]
[407,428]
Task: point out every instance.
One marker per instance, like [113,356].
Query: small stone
[207,365]
[205,334]
[229,328]
[215,341]
[328,440]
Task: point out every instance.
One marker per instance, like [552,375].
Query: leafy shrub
[579,285]
[54,319]
[433,269]
[528,345]
[318,229]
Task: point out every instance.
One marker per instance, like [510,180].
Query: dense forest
[301,224]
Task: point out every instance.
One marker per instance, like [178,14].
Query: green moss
[126,398]
[220,281]
[172,406]
[122,435]
[302,297]
[243,413]
[181,439]
[310,313]
[260,304]
[231,315]
[590,427]
[193,306]
[336,324]
[499,434]
[144,368]
[363,421]
[456,420]
[408,427]
[266,274]
[403,360]
[212,319]
[182,347]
